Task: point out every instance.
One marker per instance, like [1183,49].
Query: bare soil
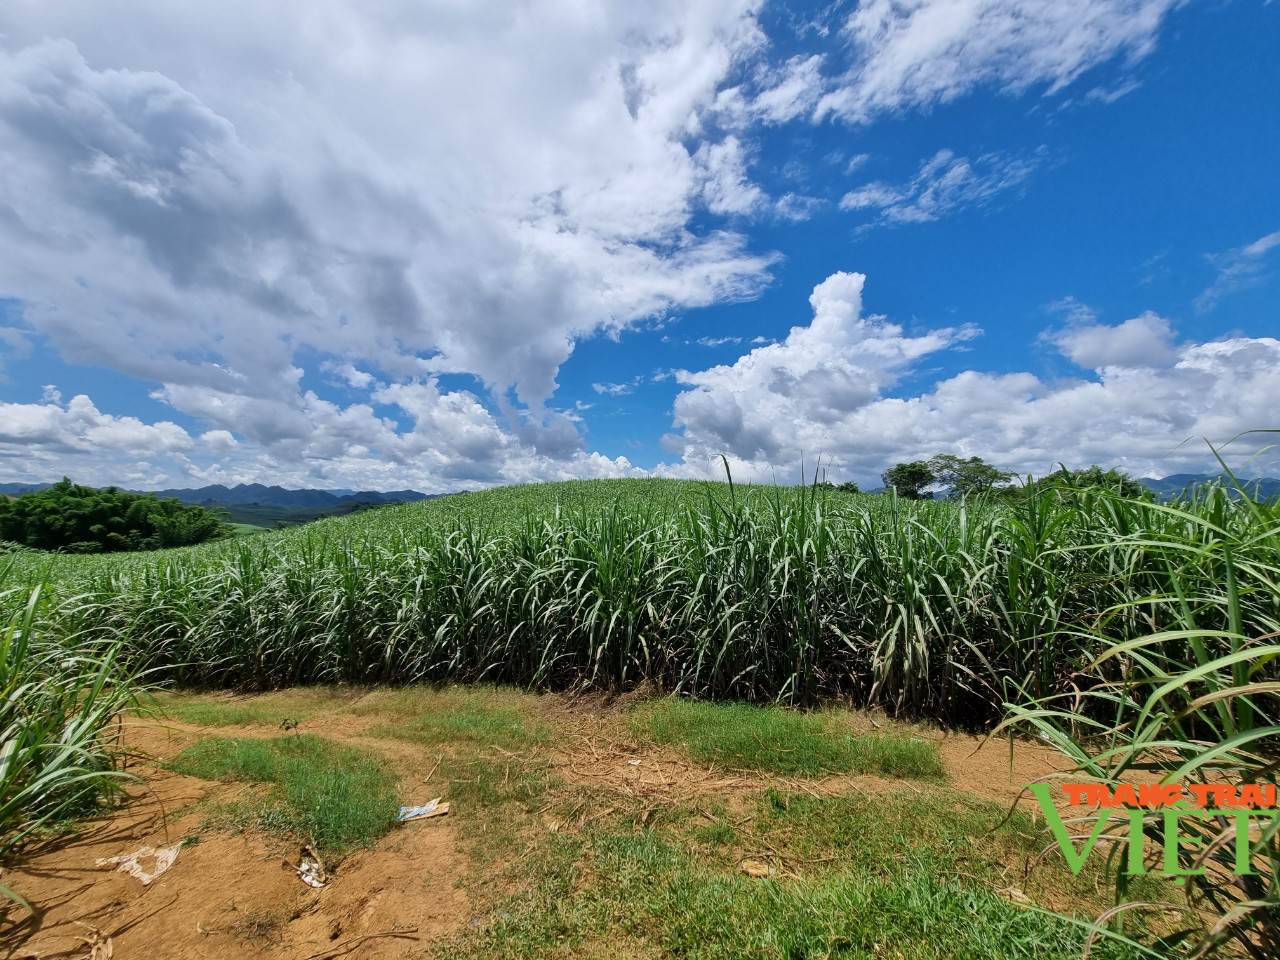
[228,895]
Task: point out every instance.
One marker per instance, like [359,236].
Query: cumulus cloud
[944,184]
[223,205]
[915,53]
[1238,269]
[828,390]
[786,396]
[1144,341]
[453,442]
[225,200]
[41,441]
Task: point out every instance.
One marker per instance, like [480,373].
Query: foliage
[966,477]
[81,519]
[940,609]
[738,736]
[848,486]
[335,796]
[59,701]
[1112,480]
[905,876]
[909,480]
[1192,700]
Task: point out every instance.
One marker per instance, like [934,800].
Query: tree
[85,520]
[1113,481]
[908,480]
[967,477]
[849,486]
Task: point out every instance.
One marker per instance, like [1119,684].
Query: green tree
[849,487]
[82,519]
[908,480]
[1094,477]
[967,477]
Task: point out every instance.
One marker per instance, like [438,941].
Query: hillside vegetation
[1135,636]
[79,519]
[940,609]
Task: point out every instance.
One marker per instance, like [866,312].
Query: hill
[265,506]
[1264,488]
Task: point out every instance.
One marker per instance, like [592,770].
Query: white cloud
[717,341]
[827,390]
[727,188]
[795,207]
[42,441]
[219,442]
[790,91]
[915,53]
[856,162]
[1238,269]
[944,184]
[453,443]
[1144,341]
[785,396]
[347,372]
[612,389]
[413,189]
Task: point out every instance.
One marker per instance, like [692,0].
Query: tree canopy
[1113,480]
[908,480]
[80,519]
[960,476]
[966,477]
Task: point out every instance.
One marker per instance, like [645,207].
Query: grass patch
[491,783]
[479,718]
[331,794]
[931,827]
[647,893]
[915,874]
[281,708]
[781,741]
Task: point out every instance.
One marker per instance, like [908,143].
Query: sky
[450,244]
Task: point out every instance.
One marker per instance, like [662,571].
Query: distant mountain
[18,489]
[254,503]
[261,505]
[1265,488]
[248,493]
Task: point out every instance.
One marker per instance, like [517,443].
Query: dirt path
[228,895]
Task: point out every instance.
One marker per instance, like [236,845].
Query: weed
[479,718]
[336,796]
[781,741]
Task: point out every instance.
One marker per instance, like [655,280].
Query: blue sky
[444,246]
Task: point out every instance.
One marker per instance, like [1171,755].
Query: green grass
[939,610]
[480,718]
[290,708]
[247,529]
[61,698]
[781,741]
[639,893]
[333,795]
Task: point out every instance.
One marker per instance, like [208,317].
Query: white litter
[432,808]
[309,869]
[132,863]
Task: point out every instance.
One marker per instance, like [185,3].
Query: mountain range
[257,505]
[1264,488]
